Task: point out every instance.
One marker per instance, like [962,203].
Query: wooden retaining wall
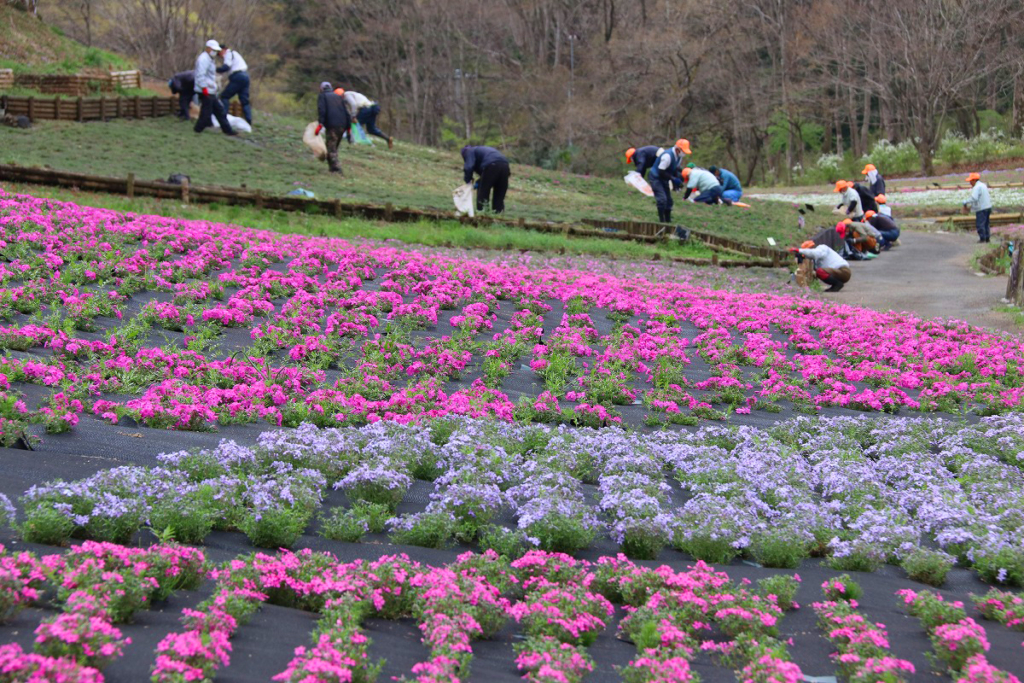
[132,187]
[88,108]
[72,85]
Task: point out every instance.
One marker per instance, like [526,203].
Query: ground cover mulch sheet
[433,405]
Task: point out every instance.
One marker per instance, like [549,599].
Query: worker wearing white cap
[206,90]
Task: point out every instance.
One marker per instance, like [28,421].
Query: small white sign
[771,241]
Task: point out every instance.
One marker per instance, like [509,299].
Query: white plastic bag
[238,124]
[463,198]
[636,180]
[315,142]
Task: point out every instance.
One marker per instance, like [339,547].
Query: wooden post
[119,101]
[522,223]
[337,208]
[714,258]
[130,186]
[79,108]
[155,100]
[1013,283]
[56,108]
[259,199]
[184,185]
[103,107]
[775,259]
[32,109]
[136,106]
[389,212]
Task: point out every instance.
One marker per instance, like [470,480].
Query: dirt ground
[930,275]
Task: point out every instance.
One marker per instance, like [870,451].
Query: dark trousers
[662,195]
[889,236]
[333,140]
[238,84]
[711,196]
[184,100]
[981,222]
[494,177]
[367,118]
[210,106]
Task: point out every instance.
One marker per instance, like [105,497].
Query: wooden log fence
[62,108]
[716,242]
[967,222]
[72,84]
[206,194]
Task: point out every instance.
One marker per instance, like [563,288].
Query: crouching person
[830,267]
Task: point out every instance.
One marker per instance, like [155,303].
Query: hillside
[273,158]
[28,44]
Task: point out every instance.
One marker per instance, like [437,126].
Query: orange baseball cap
[808,244]
[847,221]
[686,172]
[339,91]
[684,145]
[974,176]
[629,154]
[840,185]
[869,213]
[880,199]
[869,167]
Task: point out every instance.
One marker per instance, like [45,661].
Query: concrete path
[929,274]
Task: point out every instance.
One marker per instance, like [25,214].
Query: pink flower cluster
[863,647]
[333,304]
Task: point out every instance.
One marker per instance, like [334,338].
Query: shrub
[927,566]
[342,524]
[783,587]
[782,550]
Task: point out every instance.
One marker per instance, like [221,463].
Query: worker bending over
[830,267]
[885,226]
[731,188]
[706,184]
[642,158]
[365,112]
[492,167]
[849,203]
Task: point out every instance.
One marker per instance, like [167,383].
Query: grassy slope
[29,45]
[273,158]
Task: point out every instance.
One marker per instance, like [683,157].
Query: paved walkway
[930,274]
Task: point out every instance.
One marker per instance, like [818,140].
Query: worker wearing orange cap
[849,203]
[981,204]
[664,176]
[876,183]
[642,158]
[883,206]
[830,267]
[885,226]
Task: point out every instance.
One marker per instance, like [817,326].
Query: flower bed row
[860,492]
[312,305]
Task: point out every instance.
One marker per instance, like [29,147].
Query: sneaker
[835,288]
[391,143]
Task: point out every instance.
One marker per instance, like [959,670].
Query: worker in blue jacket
[664,177]
[492,168]
[731,188]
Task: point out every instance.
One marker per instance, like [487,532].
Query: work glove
[476,185]
[318,129]
[206,92]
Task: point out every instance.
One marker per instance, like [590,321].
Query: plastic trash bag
[238,124]
[315,142]
[358,134]
[301,192]
[636,180]
[463,198]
